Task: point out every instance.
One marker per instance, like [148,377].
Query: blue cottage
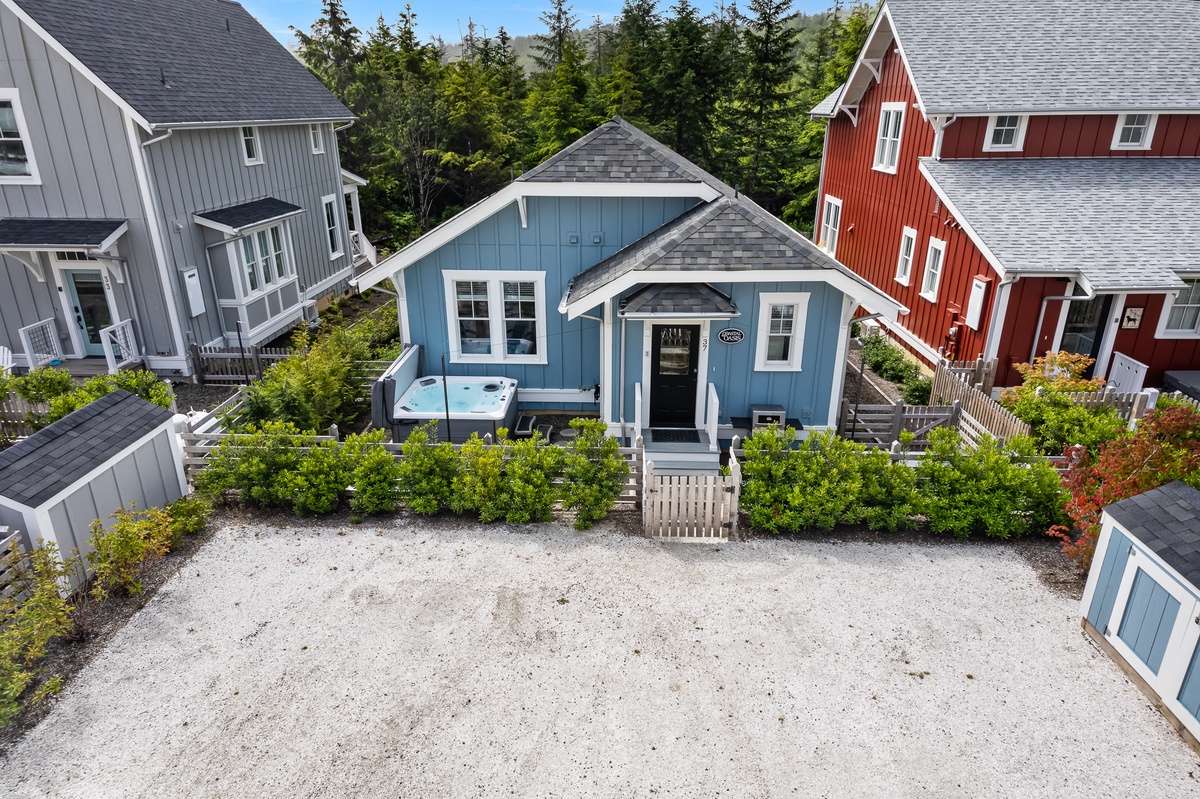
[617,277]
[1142,600]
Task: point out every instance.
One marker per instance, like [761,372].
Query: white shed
[115,452]
[1142,600]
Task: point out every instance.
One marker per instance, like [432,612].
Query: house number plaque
[731,335]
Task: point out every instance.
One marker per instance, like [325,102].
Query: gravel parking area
[432,658]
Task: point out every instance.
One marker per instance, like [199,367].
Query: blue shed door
[1189,692]
[1148,618]
[1112,569]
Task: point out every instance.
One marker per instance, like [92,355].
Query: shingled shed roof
[617,152]
[678,299]
[1167,520]
[180,62]
[1124,224]
[730,234]
[43,465]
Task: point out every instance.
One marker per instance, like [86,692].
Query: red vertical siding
[1159,354]
[1020,323]
[1075,135]
[877,206]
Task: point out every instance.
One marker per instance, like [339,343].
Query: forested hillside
[729,90]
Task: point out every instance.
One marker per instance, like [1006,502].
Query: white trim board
[317,290]
[489,206]
[909,338]
[648,365]
[564,395]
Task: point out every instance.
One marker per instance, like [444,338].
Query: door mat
[663,436]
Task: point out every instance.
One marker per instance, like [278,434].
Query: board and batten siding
[85,162]
[804,393]
[1074,136]
[500,243]
[879,206]
[203,169]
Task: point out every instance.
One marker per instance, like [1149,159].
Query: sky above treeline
[446,19]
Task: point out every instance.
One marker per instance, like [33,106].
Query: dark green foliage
[999,490]
[427,472]
[375,474]
[254,465]
[43,384]
[319,480]
[478,483]
[888,360]
[917,390]
[594,472]
[530,469]
[56,389]
[1058,422]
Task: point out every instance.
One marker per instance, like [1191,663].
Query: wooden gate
[691,507]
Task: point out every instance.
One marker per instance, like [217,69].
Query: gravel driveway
[431,659]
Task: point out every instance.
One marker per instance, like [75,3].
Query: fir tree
[550,48]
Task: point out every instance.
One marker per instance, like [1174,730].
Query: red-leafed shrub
[1165,447]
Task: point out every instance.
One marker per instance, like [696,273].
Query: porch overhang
[28,234]
[233,219]
[678,301]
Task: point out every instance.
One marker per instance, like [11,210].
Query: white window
[496,317]
[1134,131]
[831,219]
[317,138]
[1181,312]
[251,148]
[933,269]
[333,229]
[908,248]
[16,154]
[1005,132]
[265,261]
[780,343]
[887,148]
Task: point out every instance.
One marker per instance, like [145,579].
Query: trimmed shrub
[42,384]
[530,468]
[917,390]
[319,480]
[1001,491]
[888,360]
[121,554]
[255,465]
[594,472]
[1057,422]
[478,483]
[427,471]
[29,625]
[375,474]
[188,516]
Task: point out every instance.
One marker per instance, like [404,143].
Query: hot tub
[477,405]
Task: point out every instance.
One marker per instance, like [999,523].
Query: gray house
[169,176]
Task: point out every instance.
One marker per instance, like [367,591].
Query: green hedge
[824,480]
[47,385]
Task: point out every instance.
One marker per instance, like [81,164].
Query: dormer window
[1134,131]
[1005,133]
[887,148]
[251,148]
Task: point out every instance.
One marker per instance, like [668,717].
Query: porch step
[674,466]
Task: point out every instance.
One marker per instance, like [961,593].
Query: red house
[1024,176]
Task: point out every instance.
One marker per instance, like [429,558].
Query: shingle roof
[1167,520]
[187,61]
[1066,55]
[826,107]
[37,232]
[678,299]
[730,234]
[1123,223]
[617,152]
[36,469]
[254,212]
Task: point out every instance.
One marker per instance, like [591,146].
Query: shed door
[1189,692]
[1148,620]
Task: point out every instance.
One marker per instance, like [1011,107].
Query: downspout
[170,132]
[939,130]
[344,127]
[1037,331]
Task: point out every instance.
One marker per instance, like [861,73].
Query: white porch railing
[710,421]
[120,346]
[637,409]
[362,248]
[40,341]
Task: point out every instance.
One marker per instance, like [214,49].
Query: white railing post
[714,406]
[637,409]
[40,341]
[120,346]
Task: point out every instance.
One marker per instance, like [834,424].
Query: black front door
[674,362]
[1084,327]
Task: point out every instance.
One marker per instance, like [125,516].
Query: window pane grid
[332,227]
[250,144]
[520,317]
[474,323]
[779,333]
[904,268]
[887,150]
[1004,134]
[1133,131]
[829,226]
[14,160]
[1185,311]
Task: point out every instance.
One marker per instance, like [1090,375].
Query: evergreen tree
[331,50]
[688,83]
[558,107]
[629,86]
[550,48]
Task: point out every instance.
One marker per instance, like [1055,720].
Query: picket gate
[689,507]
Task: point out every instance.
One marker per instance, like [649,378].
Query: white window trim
[878,165]
[1162,332]
[799,320]
[258,148]
[1146,143]
[316,137]
[940,246]
[837,229]
[1018,141]
[905,279]
[495,280]
[34,177]
[332,199]
[289,263]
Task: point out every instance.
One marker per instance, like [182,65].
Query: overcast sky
[442,18]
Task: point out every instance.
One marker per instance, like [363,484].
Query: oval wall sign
[731,335]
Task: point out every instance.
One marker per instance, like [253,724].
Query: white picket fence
[691,507]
